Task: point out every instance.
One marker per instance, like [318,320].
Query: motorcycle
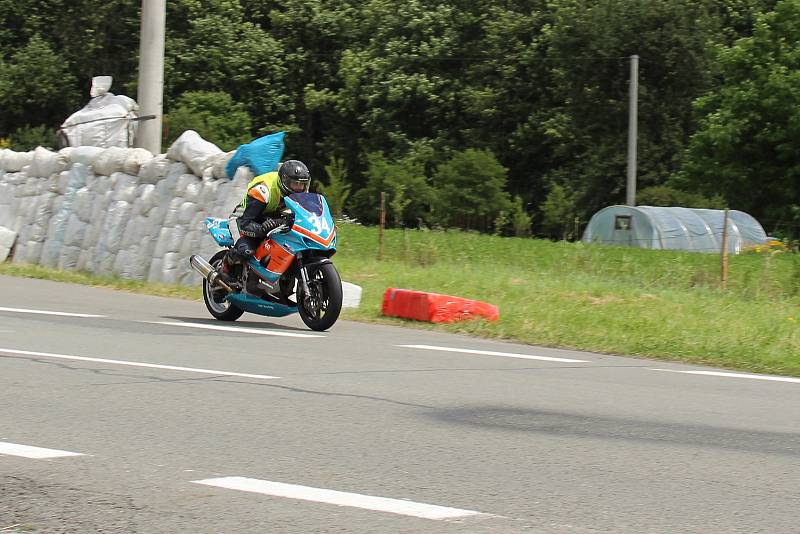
[291,260]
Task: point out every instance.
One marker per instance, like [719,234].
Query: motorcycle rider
[260,211]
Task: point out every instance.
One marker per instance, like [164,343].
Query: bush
[29,137]
[338,190]
[407,189]
[470,190]
[558,212]
[214,115]
[664,195]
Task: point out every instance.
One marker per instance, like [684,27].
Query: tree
[746,146]
[558,211]
[470,190]
[585,122]
[211,47]
[214,115]
[36,87]
[664,195]
[337,190]
[404,182]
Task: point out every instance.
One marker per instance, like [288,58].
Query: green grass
[659,304]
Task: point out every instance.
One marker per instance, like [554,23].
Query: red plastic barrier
[434,308]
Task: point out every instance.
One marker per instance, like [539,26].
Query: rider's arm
[250,221]
[253,222]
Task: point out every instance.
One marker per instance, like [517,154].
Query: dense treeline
[481,114]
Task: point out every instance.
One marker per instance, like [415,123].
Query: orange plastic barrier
[434,308]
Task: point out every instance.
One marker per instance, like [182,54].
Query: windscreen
[311,202]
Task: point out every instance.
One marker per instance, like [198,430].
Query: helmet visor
[297,186]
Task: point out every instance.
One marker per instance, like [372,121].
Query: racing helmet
[294,177]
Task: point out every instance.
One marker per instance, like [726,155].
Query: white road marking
[492,353]
[27,451]
[235,329]
[45,312]
[134,364]
[734,375]
[339,498]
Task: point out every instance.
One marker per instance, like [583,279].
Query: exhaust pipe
[207,271]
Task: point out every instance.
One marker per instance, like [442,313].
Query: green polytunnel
[673,228]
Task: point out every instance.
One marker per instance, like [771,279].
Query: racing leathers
[258,214]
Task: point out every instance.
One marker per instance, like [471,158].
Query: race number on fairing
[320,224]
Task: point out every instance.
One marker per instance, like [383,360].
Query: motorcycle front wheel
[321,307]
[214,297]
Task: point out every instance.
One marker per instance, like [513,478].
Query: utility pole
[151,73]
[633,120]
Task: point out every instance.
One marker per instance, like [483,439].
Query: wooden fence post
[724,271]
[381,225]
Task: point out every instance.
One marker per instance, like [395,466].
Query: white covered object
[194,151]
[83,154]
[351,295]
[11,161]
[46,163]
[7,238]
[105,121]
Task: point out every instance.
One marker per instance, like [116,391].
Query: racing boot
[228,270]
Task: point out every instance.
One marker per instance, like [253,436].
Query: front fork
[303,275]
[311,301]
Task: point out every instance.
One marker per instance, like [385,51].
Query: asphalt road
[142,420]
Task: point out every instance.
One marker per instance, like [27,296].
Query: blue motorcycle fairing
[252,304]
[219,231]
[313,224]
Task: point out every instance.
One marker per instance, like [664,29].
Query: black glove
[270,224]
[288,219]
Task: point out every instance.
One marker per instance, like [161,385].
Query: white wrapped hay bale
[46,163]
[85,155]
[135,159]
[75,231]
[169,240]
[189,190]
[194,151]
[125,187]
[110,240]
[68,258]
[187,212]
[171,215]
[217,165]
[155,169]
[169,268]
[102,187]
[11,161]
[7,238]
[33,207]
[74,180]
[110,160]
[6,198]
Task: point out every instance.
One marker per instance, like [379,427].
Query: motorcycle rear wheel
[320,309]
[215,297]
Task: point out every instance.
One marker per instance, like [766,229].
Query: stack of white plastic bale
[117,211]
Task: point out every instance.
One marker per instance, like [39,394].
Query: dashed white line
[235,329]
[26,451]
[134,364]
[339,498]
[47,312]
[734,375]
[493,353]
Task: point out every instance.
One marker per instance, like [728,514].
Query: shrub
[214,115]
